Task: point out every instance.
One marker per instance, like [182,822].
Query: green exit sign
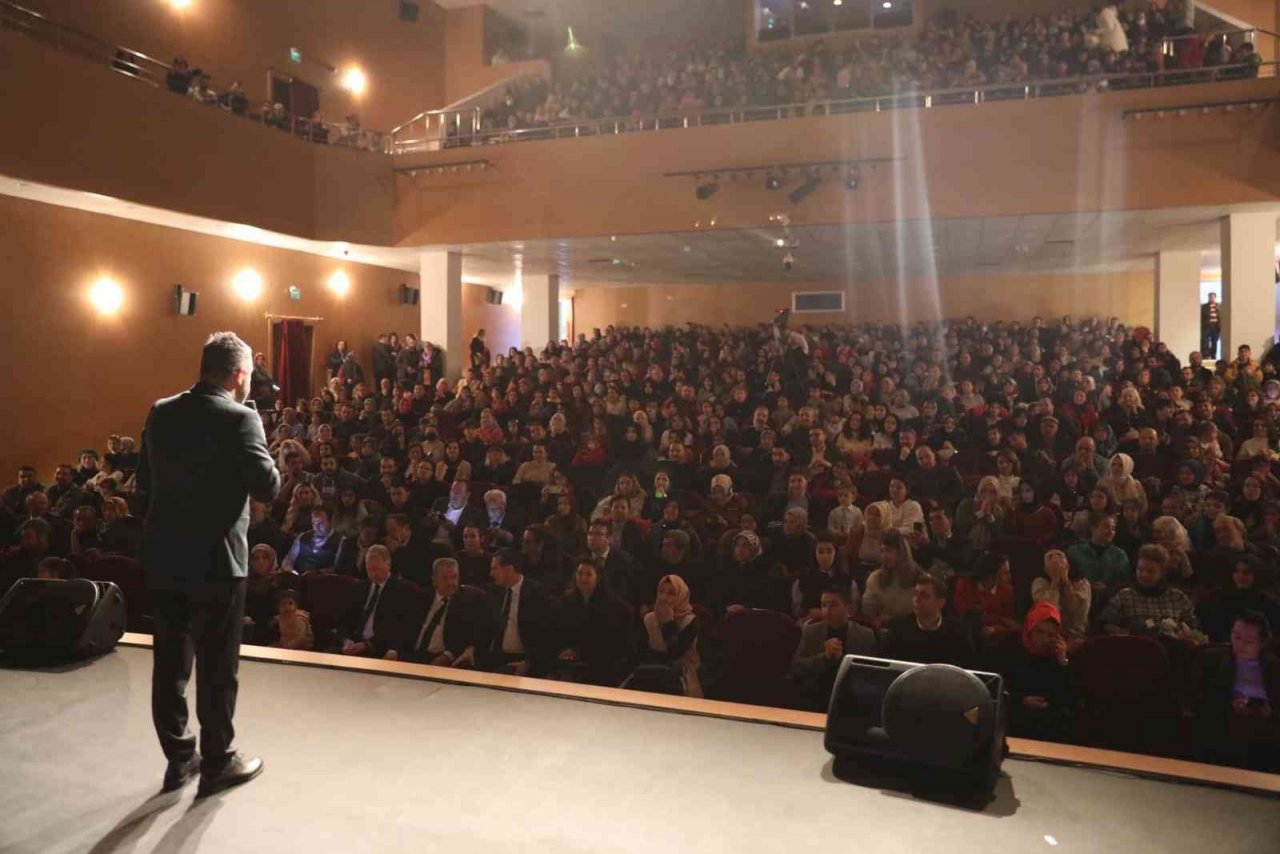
[295,55]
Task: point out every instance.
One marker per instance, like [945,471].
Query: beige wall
[1072,153]
[1127,295]
[77,124]
[501,323]
[242,39]
[77,376]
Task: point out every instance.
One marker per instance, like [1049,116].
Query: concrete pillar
[540,312]
[1248,282]
[1178,301]
[440,308]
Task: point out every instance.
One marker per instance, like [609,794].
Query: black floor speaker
[60,620]
[934,727]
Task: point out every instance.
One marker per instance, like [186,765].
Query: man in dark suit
[460,515]
[620,570]
[928,636]
[521,617]
[204,454]
[447,627]
[413,551]
[376,620]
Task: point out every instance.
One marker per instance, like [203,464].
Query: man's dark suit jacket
[466,624]
[203,456]
[535,619]
[472,517]
[390,621]
[413,561]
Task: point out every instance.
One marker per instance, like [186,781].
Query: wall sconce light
[340,283]
[247,284]
[106,296]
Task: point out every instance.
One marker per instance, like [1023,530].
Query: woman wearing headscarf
[748,579]
[1188,486]
[864,541]
[1168,532]
[1125,486]
[671,633]
[1042,695]
[981,519]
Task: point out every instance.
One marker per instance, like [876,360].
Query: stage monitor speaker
[409,12]
[60,620]
[935,727]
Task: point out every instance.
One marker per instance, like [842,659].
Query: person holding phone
[1236,694]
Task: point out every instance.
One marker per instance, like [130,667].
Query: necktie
[371,606]
[429,626]
[503,617]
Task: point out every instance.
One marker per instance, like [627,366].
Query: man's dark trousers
[203,625]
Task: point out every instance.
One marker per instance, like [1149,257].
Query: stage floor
[360,762]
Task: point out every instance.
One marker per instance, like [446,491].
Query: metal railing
[457,129]
[430,129]
[139,66]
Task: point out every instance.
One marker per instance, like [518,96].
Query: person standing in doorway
[1210,327]
[204,455]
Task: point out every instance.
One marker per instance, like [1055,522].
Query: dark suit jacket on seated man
[927,636]
[204,454]
[447,627]
[376,621]
[521,617]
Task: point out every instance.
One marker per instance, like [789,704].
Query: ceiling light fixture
[851,179]
[802,192]
[772,181]
[706,190]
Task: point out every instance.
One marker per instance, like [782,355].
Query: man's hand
[833,649]
[1035,703]
[521,668]
[354,648]
[467,659]
[732,609]
[569,655]
[392,655]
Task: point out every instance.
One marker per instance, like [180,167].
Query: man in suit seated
[504,526]
[413,552]
[521,615]
[376,620]
[455,510]
[824,644]
[926,635]
[620,569]
[448,625]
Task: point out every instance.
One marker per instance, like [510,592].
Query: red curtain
[291,350]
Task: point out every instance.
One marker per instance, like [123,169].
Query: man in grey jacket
[824,644]
[204,454]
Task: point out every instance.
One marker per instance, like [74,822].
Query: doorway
[291,352]
[299,97]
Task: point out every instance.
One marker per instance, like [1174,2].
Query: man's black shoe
[179,772]
[239,770]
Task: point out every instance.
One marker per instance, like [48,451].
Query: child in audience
[292,623]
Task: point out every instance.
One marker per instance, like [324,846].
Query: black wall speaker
[495,296]
[935,727]
[409,12]
[408,295]
[59,620]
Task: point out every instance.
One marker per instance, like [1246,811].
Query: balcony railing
[440,129]
[138,66]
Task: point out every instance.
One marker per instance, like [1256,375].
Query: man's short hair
[322,509]
[223,354]
[841,590]
[442,563]
[938,588]
[590,561]
[600,523]
[1258,620]
[511,558]
[22,469]
[400,519]
[379,550]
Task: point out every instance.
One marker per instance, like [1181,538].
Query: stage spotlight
[772,181]
[851,179]
[802,192]
[706,190]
